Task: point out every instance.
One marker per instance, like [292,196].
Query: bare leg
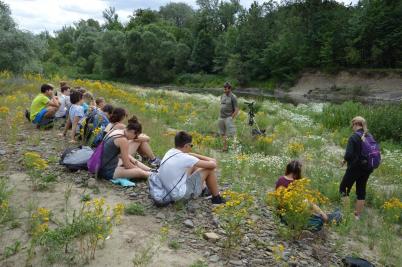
[209,177]
[51,111]
[133,173]
[145,150]
[359,207]
[133,147]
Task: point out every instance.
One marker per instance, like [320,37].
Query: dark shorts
[106,174]
[40,116]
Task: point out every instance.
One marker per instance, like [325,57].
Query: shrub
[233,217]
[293,204]
[384,121]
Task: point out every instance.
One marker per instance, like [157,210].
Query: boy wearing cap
[44,106]
[228,112]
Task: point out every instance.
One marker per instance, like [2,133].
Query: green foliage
[384,121]
[268,41]
[134,209]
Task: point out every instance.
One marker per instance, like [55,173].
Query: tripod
[255,129]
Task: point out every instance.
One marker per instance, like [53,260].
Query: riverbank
[366,86]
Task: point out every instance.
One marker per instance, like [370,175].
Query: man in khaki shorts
[229,110]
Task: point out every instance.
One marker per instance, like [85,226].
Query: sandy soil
[127,239]
[364,86]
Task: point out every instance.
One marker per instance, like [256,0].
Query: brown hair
[294,167]
[118,115]
[134,125]
[99,100]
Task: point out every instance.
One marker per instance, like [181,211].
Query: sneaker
[154,162]
[218,200]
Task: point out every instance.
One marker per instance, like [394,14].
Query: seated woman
[292,173]
[116,160]
[140,144]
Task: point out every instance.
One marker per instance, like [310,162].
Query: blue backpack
[371,155]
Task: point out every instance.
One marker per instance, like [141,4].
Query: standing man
[229,110]
[44,106]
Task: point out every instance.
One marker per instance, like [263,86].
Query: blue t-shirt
[86,107]
[76,111]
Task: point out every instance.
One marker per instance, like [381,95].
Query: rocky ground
[193,227]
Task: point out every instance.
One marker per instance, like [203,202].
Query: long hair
[359,120]
[294,167]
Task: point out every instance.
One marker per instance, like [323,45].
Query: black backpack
[356,262]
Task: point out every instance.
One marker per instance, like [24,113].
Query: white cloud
[40,15]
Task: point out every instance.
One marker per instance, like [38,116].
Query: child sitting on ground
[140,144]
[88,103]
[116,160]
[44,106]
[76,114]
[184,174]
[292,173]
[65,103]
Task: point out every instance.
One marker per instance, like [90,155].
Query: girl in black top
[354,171]
[116,160]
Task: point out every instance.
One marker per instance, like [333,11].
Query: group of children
[185,174]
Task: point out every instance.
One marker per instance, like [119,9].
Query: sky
[40,15]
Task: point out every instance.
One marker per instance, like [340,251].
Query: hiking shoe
[154,162]
[205,192]
[218,200]
[28,115]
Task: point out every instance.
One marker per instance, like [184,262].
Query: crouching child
[184,175]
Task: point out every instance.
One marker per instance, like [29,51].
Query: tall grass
[384,121]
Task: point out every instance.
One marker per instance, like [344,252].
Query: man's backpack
[75,158]
[93,128]
[370,154]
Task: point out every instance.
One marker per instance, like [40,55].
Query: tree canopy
[266,41]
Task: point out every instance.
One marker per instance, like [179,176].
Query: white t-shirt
[172,170]
[64,106]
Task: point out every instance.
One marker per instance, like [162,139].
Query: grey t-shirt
[228,105]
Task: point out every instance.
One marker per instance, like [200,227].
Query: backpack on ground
[371,155]
[75,158]
[158,192]
[93,128]
[356,262]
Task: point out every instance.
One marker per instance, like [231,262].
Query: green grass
[134,209]
[255,164]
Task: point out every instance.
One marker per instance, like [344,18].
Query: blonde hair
[359,120]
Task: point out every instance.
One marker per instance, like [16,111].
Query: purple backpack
[95,161]
[370,151]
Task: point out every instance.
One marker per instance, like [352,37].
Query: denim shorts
[106,174]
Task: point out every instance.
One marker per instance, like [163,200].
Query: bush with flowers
[85,230]
[233,216]
[36,167]
[5,210]
[392,210]
[293,204]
